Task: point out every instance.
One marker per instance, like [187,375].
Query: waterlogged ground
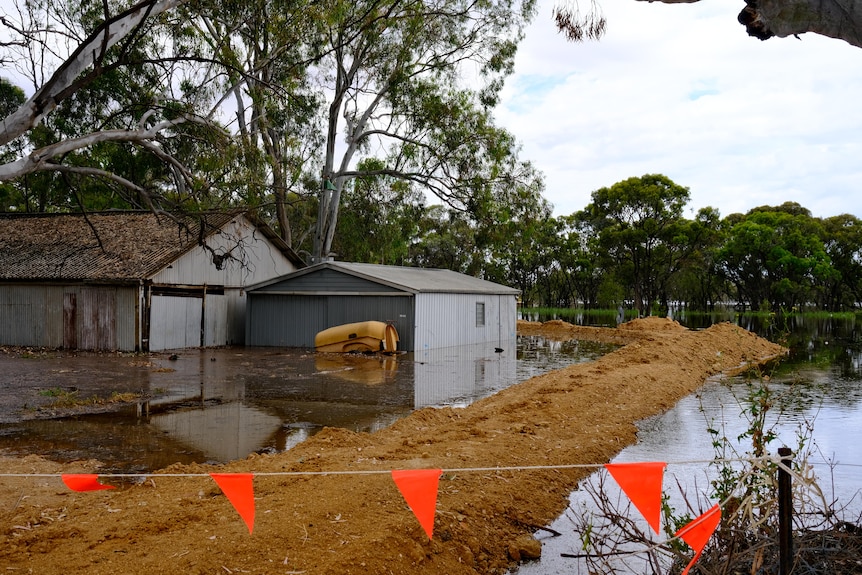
[139,413]
[328,505]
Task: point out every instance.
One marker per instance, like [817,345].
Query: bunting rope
[767,458]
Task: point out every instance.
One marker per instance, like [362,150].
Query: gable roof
[106,246]
[415,280]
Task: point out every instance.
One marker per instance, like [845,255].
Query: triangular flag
[697,532]
[642,483]
[419,488]
[239,489]
[83,482]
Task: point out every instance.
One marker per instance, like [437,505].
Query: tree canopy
[269,103]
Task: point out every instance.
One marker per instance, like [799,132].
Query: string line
[752,460]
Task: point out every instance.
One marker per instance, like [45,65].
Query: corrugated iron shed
[132,280]
[430,308]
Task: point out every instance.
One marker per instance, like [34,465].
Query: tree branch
[57,88]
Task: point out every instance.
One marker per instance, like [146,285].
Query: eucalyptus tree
[380,220]
[414,82]
[843,243]
[258,56]
[577,255]
[517,231]
[66,52]
[116,111]
[639,226]
[700,283]
[446,239]
[776,258]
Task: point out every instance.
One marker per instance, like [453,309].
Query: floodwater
[817,396]
[218,405]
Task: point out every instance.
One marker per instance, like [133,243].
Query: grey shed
[430,308]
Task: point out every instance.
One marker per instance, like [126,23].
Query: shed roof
[415,280]
[106,246]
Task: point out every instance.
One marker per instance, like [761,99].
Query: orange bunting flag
[698,532]
[642,483]
[84,482]
[419,488]
[239,489]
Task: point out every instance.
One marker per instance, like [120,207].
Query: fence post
[785,513]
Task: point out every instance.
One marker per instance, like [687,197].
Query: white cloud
[683,91]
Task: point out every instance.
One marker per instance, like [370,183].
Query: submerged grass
[69,398]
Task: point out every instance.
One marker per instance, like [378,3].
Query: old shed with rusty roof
[132,280]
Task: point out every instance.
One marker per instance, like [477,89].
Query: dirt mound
[652,323]
[329,505]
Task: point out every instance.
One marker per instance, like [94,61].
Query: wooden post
[785,513]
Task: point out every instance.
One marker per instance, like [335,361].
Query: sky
[682,90]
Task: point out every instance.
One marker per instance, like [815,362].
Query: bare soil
[343,523]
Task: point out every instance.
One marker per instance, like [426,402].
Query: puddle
[218,405]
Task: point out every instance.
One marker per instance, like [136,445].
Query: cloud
[683,91]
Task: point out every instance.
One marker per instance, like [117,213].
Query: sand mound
[652,323]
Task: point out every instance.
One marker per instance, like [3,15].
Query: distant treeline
[630,246]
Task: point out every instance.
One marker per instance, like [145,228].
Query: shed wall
[449,319]
[252,259]
[84,317]
[292,320]
[195,320]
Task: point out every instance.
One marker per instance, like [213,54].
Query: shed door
[70,320]
[97,317]
[175,322]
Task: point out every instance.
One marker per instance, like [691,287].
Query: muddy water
[223,404]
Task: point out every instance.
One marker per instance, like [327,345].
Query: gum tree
[640,230]
[394,74]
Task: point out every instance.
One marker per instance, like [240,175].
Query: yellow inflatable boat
[363,337]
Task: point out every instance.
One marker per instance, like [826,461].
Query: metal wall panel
[22,315]
[235,315]
[97,318]
[175,322]
[284,321]
[252,259]
[215,320]
[54,323]
[449,319]
[128,318]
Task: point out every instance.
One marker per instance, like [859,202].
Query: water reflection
[222,404]
[818,391]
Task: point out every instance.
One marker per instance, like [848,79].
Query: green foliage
[379,220]
[642,234]
[775,257]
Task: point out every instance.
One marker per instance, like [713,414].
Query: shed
[430,308]
[132,280]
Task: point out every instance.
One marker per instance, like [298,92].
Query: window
[480,314]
